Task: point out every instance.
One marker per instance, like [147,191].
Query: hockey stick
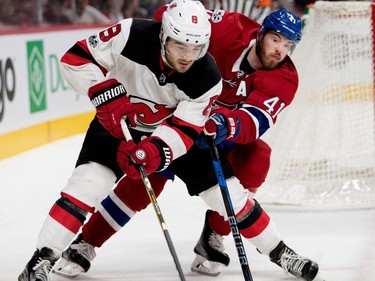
[229,209]
[155,204]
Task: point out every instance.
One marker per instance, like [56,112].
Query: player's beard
[183,66]
[268,61]
[179,65]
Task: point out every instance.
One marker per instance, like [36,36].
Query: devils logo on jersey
[150,113]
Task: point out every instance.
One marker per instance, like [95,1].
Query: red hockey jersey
[258,96]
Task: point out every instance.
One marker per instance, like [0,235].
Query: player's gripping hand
[218,127]
[152,152]
[111,103]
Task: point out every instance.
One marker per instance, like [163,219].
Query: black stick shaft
[155,204]
[230,211]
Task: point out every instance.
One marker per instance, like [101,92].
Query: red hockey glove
[111,103]
[152,152]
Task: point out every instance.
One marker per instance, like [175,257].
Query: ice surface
[342,242]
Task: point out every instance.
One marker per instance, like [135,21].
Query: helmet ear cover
[186,21]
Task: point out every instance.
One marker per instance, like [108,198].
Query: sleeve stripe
[261,119]
[188,129]
[79,54]
[174,138]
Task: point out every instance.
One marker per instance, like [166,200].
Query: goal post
[323,145]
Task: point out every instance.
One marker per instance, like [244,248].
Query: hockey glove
[220,128]
[151,152]
[111,103]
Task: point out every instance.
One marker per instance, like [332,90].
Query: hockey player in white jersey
[160,76]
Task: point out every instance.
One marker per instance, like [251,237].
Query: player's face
[273,48]
[181,56]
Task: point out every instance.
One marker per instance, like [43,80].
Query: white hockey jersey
[172,106]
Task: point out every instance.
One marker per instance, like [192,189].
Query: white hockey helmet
[186,21]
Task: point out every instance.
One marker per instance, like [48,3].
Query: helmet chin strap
[163,49]
[163,57]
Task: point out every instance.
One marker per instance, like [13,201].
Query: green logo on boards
[36,76]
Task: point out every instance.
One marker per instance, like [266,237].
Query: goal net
[323,145]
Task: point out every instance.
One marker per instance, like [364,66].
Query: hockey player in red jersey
[145,70]
[260,80]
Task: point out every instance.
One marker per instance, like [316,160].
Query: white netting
[324,143]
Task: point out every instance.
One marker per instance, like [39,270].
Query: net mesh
[324,143]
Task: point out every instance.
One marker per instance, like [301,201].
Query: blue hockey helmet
[284,23]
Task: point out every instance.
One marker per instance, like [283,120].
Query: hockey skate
[76,259]
[295,264]
[210,252]
[40,265]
